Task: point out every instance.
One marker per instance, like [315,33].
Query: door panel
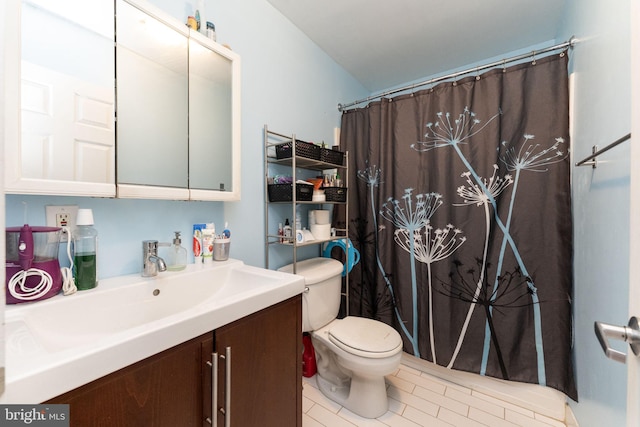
[633,363]
[266,367]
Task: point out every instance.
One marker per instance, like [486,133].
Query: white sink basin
[59,344]
[70,321]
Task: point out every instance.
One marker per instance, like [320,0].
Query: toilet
[353,354]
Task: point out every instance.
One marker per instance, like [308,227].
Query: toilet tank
[321,303]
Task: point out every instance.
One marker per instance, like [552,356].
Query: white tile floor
[419,399]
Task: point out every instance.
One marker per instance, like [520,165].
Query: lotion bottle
[177,255]
[197,242]
[287,232]
[208,234]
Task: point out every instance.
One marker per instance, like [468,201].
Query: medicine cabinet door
[214,120]
[65,101]
[152,104]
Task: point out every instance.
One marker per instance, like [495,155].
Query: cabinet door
[64,140]
[152,94]
[214,120]
[266,367]
[163,390]
[210,119]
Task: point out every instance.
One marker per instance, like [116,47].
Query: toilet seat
[365,337]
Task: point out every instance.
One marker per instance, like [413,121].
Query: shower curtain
[460,207]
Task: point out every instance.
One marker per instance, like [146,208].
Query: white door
[633,363]
[4,41]
[615,331]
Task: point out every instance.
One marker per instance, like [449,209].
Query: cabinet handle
[214,389]
[227,389]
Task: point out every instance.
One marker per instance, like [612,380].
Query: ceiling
[387,43]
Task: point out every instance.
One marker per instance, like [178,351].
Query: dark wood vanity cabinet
[266,367]
[162,390]
[174,388]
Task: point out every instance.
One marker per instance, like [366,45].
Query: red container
[309,367]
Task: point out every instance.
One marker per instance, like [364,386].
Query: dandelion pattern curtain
[460,208]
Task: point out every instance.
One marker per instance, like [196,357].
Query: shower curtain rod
[503,62]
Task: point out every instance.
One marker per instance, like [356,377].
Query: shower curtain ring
[431,86]
[504,65]
[477,73]
[534,58]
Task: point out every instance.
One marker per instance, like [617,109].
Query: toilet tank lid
[315,270]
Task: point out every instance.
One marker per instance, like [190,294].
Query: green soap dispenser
[177,258]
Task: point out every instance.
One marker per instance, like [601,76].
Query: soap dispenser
[177,258]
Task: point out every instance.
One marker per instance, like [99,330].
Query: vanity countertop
[59,344]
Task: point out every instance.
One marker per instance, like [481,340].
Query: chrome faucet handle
[151,262]
[149,247]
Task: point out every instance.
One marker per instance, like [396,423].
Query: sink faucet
[151,262]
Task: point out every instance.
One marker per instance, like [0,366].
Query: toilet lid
[365,337]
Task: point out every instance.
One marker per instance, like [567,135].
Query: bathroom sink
[120,304]
[126,319]
[68,321]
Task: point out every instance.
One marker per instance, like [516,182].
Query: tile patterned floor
[418,399]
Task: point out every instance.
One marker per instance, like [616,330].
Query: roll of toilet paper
[321,231]
[321,217]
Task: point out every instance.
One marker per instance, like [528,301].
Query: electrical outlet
[62,219]
[62,216]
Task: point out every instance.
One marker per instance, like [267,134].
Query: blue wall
[600,69]
[287,82]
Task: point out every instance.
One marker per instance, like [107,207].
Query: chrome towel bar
[591,160]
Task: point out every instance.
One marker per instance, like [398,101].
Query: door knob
[629,334]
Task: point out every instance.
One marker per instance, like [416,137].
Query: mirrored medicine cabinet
[168,129]
[178,98]
[59,103]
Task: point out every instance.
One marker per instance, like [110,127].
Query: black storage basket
[335,194]
[334,157]
[303,149]
[284,192]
